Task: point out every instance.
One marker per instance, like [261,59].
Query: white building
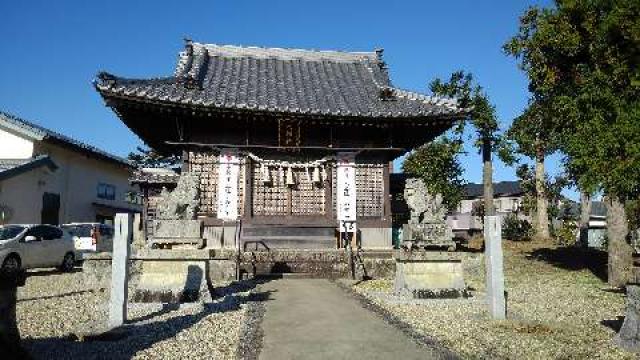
[46,177]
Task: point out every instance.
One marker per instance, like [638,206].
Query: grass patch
[559,307]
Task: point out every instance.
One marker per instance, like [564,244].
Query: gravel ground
[54,307]
[558,309]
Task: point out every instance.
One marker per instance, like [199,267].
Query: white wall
[79,177]
[502,204]
[21,195]
[76,181]
[14,147]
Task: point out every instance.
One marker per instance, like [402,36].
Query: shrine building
[294,145]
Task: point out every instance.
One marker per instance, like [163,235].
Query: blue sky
[50,51]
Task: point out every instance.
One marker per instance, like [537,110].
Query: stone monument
[176,223]
[628,338]
[423,270]
[179,274]
[427,227]
[120,269]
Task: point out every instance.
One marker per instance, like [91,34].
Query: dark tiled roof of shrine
[281,80]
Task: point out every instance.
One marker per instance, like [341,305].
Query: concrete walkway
[314,319]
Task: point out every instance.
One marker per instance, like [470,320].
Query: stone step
[300,231]
[265,243]
[288,275]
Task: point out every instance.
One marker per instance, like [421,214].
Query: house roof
[471,190]
[294,81]
[155,176]
[502,188]
[12,167]
[36,132]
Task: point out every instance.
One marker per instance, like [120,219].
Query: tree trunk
[620,252]
[585,216]
[487,178]
[542,221]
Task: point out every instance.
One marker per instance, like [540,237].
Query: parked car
[33,246]
[91,237]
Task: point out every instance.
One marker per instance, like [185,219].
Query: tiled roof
[7,164]
[31,130]
[346,84]
[155,176]
[502,188]
[13,167]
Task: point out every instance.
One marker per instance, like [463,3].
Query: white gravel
[554,313]
[53,307]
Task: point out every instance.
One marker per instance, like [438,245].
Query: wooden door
[50,209]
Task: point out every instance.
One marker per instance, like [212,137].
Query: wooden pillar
[247,212]
[145,213]
[185,161]
[328,194]
[386,208]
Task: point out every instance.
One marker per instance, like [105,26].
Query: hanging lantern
[290,177]
[280,175]
[316,175]
[265,174]
[324,173]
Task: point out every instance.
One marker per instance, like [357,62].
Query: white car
[34,246]
[91,237]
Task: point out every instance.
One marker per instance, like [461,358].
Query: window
[106,230]
[133,197]
[51,233]
[106,191]
[37,231]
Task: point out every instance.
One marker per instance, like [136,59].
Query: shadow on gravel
[52,271]
[570,258]
[141,335]
[614,324]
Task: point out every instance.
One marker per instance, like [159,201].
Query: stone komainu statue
[181,203]
[427,226]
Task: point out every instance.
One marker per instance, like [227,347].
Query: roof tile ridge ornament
[104,80]
[287,54]
[387,93]
[192,65]
[185,59]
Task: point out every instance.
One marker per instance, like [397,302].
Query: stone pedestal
[629,336]
[9,334]
[177,232]
[429,274]
[173,276]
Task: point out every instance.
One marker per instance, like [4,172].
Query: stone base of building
[326,263]
[429,274]
[158,275]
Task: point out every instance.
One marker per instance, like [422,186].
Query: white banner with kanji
[346,188]
[228,175]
